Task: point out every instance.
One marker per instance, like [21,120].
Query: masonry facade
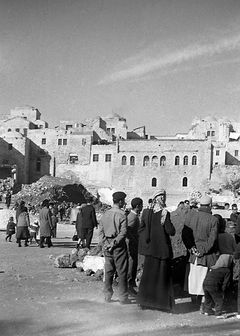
[103,152]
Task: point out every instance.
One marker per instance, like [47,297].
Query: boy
[10,229]
[33,229]
[215,284]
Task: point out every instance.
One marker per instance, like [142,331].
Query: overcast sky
[157,63]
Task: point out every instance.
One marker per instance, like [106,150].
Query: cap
[206,200]
[118,196]
[160,192]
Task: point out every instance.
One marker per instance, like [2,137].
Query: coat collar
[205,208]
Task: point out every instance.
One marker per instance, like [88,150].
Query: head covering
[160,192]
[223,261]
[206,200]
[118,196]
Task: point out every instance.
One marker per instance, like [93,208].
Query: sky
[158,63]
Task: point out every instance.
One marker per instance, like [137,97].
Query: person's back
[88,216]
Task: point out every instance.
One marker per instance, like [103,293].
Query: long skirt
[22,233]
[155,289]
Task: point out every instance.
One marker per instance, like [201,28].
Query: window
[184,182]
[163,161]
[194,160]
[64,142]
[9,130]
[185,160]
[108,130]
[208,133]
[84,141]
[213,133]
[10,146]
[113,130]
[17,129]
[68,127]
[38,165]
[177,160]
[25,131]
[217,152]
[155,161]
[124,160]
[73,158]
[154,182]
[132,161]
[44,141]
[108,157]
[59,142]
[95,157]
[236,152]
[146,161]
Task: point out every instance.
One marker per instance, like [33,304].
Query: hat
[160,192]
[206,200]
[118,196]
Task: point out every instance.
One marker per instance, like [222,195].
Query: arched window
[9,130]
[155,161]
[185,160]
[194,160]
[177,160]
[132,161]
[146,161]
[154,182]
[124,160]
[38,165]
[163,161]
[184,182]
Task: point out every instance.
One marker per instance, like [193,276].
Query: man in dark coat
[132,242]
[45,224]
[112,234]
[87,215]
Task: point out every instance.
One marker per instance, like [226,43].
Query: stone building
[102,151]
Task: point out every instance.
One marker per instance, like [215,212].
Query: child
[10,229]
[215,284]
[33,229]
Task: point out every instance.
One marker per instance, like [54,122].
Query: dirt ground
[41,300]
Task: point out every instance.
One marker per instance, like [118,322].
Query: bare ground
[39,299]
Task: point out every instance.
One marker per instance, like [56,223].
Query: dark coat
[89,220]
[205,230]
[157,235]
[142,233]
[45,222]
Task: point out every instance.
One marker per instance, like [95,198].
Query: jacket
[205,231]
[113,225]
[45,222]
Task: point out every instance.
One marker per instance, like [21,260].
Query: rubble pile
[53,188]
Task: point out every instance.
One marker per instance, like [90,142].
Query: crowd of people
[147,234]
[143,236]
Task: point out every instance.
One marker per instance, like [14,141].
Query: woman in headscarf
[155,289]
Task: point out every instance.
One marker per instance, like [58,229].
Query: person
[132,242]
[22,226]
[149,203]
[33,229]
[237,257]
[226,206]
[225,241]
[215,284]
[203,252]
[10,229]
[155,289]
[88,221]
[45,224]
[234,214]
[112,234]
[18,208]
[54,220]
[8,198]
[73,214]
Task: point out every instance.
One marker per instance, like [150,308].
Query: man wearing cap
[204,228]
[112,234]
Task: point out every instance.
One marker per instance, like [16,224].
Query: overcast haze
[157,63]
